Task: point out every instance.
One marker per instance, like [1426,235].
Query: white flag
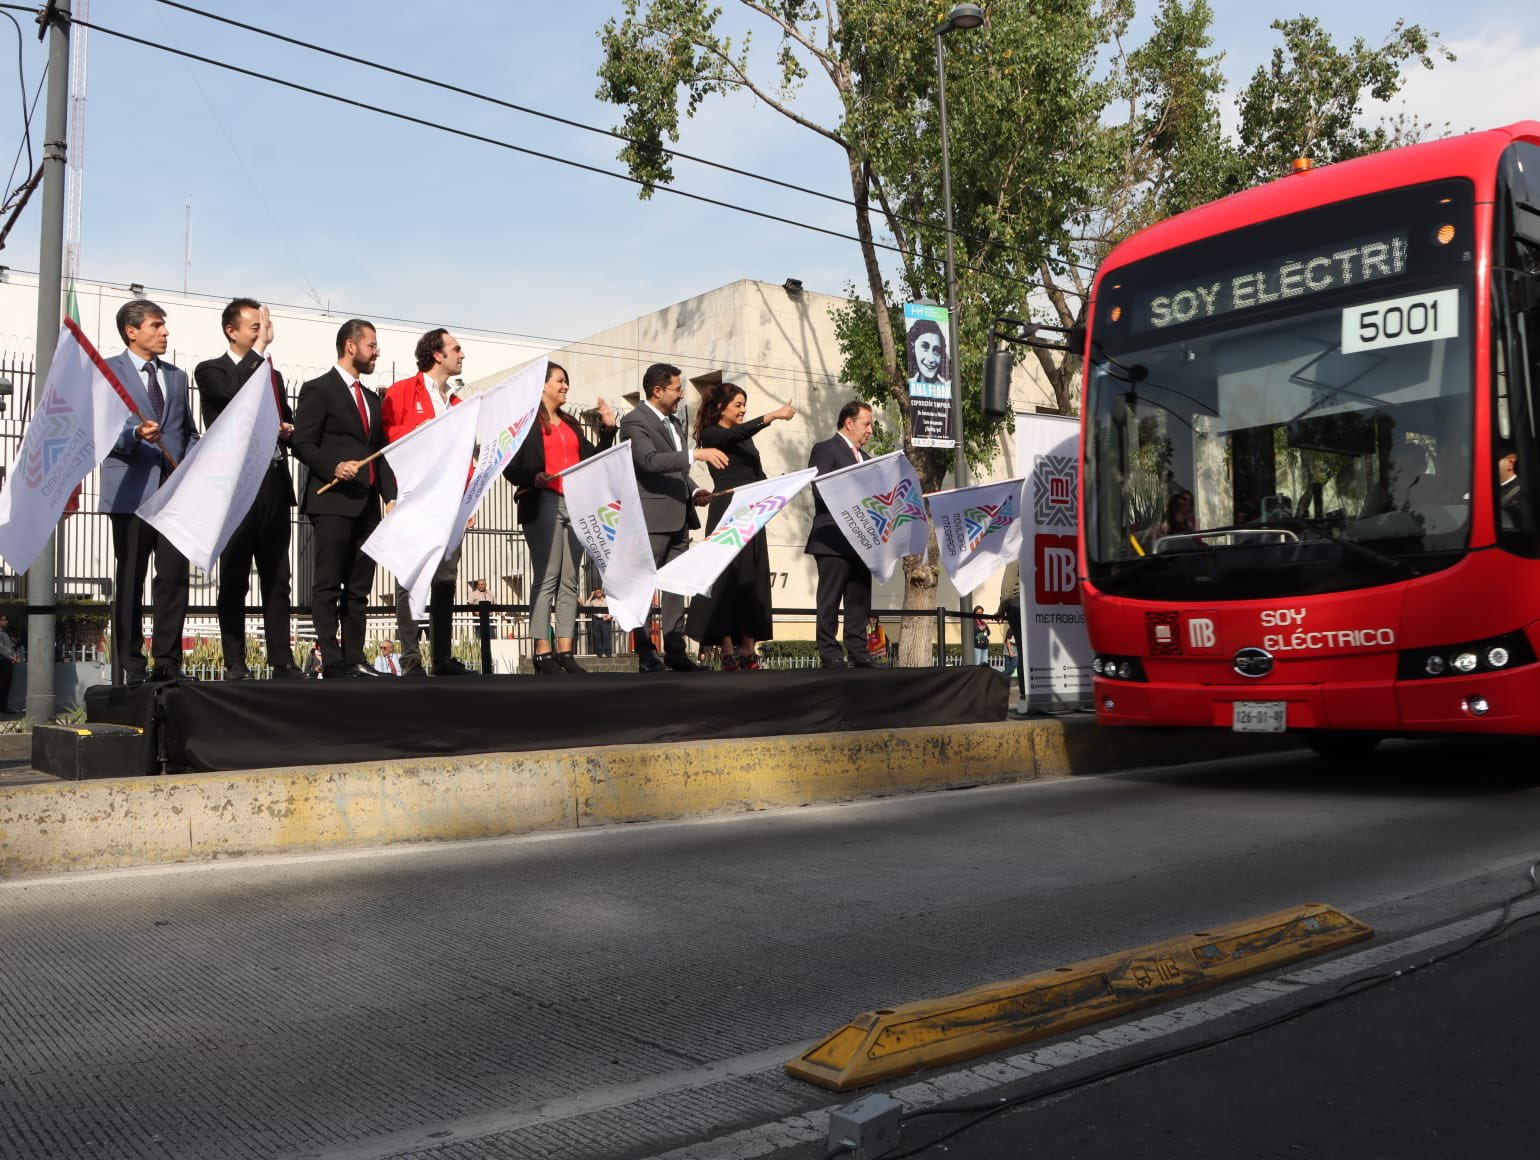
[754,506]
[430,464]
[978,530]
[78,419]
[507,413]
[210,492]
[606,513]
[880,508]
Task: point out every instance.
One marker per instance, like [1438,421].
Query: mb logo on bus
[1056,574]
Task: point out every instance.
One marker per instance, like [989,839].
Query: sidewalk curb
[135,821]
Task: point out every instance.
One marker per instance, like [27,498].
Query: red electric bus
[1311,464]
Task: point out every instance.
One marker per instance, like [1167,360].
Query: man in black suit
[337,425]
[662,457]
[263,535]
[841,572]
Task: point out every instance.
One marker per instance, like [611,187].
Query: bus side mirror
[997,384]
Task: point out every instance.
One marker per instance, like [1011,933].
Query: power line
[27,111]
[558,119]
[469,135]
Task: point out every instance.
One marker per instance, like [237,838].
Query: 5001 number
[1401,321]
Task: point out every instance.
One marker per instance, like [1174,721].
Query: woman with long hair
[737,613]
[554,549]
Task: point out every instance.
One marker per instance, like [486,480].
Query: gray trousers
[441,598]
[554,555]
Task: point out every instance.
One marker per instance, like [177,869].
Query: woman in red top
[554,550]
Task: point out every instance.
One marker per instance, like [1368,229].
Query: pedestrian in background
[980,636]
[7,662]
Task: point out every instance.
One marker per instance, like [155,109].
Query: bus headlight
[1497,657]
[1096,665]
[1465,662]
[1494,654]
[1434,665]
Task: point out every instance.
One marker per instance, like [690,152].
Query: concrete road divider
[882,1045]
[47,826]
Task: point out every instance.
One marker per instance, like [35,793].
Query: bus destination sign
[1296,276]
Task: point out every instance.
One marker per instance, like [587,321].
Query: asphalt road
[620,992]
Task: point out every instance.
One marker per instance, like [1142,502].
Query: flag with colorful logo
[754,505]
[880,508]
[507,412]
[605,508]
[978,530]
[210,492]
[78,419]
[429,463]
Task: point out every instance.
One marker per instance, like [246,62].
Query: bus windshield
[1286,408]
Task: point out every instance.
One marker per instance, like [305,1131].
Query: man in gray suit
[669,499]
[134,469]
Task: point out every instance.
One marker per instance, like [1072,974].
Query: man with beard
[337,425]
[408,405]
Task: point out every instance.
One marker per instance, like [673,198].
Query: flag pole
[41,576]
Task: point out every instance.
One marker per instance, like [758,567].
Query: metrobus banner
[605,508]
[754,506]
[212,489]
[1056,651]
[78,419]
[978,530]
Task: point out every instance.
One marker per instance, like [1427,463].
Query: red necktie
[363,414]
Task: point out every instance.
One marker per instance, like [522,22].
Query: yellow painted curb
[884,1044]
[136,820]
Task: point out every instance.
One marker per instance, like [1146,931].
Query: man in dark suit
[263,535]
[132,472]
[842,575]
[662,457]
[337,425]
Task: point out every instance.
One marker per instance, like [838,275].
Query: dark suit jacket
[530,462]
[131,473]
[662,474]
[327,431]
[825,537]
[218,381]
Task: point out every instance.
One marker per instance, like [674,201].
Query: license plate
[1260,716]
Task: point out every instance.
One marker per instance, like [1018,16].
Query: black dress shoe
[650,662]
[363,670]
[451,668]
[237,673]
[568,663]
[135,679]
[287,673]
[681,663]
[839,664]
[167,673]
[862,663]
[547,666]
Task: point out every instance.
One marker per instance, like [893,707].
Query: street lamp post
[961,16]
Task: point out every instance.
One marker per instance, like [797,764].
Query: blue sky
[383,218]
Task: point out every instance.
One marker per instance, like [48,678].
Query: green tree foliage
[1065,139]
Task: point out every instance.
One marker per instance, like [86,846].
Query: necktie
[673,428]
[157,398]
[363,414]
[856,452]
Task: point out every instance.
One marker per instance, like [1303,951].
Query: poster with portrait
[928,366]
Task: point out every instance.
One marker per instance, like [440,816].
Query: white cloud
[1490,83]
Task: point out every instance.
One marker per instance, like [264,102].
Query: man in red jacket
[409,404]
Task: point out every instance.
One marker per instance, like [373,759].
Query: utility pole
[54,23]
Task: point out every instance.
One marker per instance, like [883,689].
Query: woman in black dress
[737,613]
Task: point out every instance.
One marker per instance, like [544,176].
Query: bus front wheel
[1341,744]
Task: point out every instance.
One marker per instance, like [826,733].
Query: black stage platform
[208,727]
